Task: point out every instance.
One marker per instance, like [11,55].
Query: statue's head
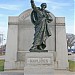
[43,6]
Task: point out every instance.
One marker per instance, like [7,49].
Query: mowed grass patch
[2,65]
[72,65]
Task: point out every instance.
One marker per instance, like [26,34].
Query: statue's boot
[33,48]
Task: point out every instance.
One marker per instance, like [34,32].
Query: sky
[60,8]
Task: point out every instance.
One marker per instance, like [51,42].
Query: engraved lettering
[39,61]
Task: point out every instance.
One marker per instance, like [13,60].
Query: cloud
[70,29]
[3,30]
[43,1]
[57,5]
[74,27]
[9,7]
[1,15]
[54,5]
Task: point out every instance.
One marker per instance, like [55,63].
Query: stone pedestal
[41,63]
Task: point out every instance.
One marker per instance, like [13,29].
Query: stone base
[14,65]
[39,63]
[44,70]
[9,65]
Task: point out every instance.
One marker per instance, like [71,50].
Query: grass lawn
[72,65]
[2,65]
[2,54]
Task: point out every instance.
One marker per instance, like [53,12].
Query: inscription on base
[38,60]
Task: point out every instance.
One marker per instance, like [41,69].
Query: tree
[70,40]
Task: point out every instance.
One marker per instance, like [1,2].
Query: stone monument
[38,60]
[19,41]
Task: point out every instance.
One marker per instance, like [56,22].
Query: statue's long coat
[40,20]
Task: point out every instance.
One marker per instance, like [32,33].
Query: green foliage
[2,65]
[72,65]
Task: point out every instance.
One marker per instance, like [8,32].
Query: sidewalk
[21,72]
[2,57]
[63,72]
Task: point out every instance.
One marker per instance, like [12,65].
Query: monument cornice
[13,20]
[60,24]
[13,23]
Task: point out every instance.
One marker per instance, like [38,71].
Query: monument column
[61,44]
[12,43]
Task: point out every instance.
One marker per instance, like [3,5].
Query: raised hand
[32,1]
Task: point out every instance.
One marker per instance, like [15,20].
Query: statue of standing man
[40,18]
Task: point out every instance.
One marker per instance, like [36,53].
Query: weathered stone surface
[39,63]
[20,38]
[36,58]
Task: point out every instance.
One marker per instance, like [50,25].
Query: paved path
[2,57]
[8,73]
[56,72]
[71,57]
[63,72]
[12,73]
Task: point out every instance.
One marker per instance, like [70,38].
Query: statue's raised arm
[33,4]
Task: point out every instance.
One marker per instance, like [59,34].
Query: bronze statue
[40,18]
